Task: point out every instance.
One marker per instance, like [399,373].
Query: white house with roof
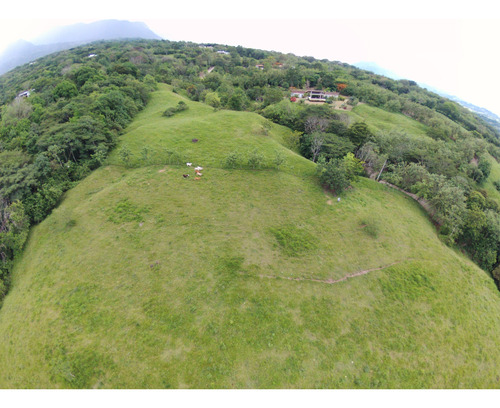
[321,96]
[25,94]
[298,93]
[313,94]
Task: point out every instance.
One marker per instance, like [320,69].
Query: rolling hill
[246,278]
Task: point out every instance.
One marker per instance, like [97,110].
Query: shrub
[496,275]
[124,153]
[213,100]
[181,106]
[279,158]
[332,175]
[255,159]
[169,112]
[232,160]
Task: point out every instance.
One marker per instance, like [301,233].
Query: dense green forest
[81,99]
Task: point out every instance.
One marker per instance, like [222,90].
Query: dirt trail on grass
[332,281]
[424,203]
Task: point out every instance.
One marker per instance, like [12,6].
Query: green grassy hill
[242,279]
[382,120]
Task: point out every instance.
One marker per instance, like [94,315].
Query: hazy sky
[445,44]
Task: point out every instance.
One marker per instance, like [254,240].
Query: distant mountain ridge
[487,115]
[66,37]
[376,69]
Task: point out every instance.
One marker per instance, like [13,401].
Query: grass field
[144,279]
[382,120]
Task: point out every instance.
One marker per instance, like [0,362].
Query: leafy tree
[41,203]
[336,147]
[17,175]
[272,95]
[212,99]
[14,227]
[359,134]
[353,167]
[317,141]
[341,87]
[332,175]
[65,89]
[84,74]
[238,100]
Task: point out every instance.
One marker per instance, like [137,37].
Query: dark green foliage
[14,228]
[359,134]
[116,108]
[181,106]
[336,147]
[41,203]
[17,175]
[65,89]
[332,175]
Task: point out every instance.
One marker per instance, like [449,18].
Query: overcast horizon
[444,50]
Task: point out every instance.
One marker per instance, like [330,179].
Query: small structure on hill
[314,95]
[321,96]
[298,93]
[25,94]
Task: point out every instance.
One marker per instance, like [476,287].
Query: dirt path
[204,74]
[332,281]
[424,203]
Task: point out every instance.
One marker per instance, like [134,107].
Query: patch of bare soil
[332,281]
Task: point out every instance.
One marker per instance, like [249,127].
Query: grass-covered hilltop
[272,260]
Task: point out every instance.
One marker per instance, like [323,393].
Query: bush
[232,160]
[124,153]
[496,275]
[181,106]
[279,158]
[332,175]
[255,159]
[169,112]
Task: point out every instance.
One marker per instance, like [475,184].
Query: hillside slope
[144,279]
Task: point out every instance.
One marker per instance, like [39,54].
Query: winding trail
[332,281]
